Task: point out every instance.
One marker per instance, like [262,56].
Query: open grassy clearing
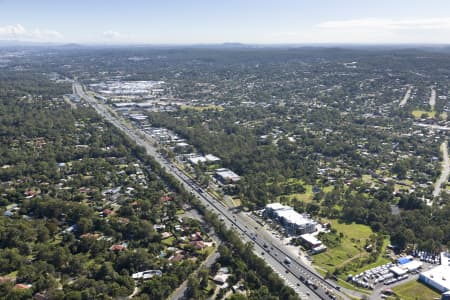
[417,113]
[202,108]
[169,241]
[381,260]
[351,247]
[367,178]
[236,201]
[306,196]
[327,189]
[413,290]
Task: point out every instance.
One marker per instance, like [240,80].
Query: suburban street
[445,172]
[305,281]
[181,290]
[406,97]
[432,100]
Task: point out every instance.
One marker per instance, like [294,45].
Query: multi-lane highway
[305,281]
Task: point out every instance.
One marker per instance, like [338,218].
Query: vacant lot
[351,246]
[415,290]
[308,195]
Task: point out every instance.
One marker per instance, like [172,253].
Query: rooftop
[310,239]
[293,217]
[197,159]
[210,157]
[277,206]
[440,275]
[227,174]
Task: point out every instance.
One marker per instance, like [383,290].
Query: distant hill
[17,43]
[236,45]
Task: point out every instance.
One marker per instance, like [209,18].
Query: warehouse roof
[439,275]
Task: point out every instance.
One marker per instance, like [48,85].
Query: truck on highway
[311,284]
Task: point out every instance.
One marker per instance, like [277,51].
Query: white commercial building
[195,160]
[211,158]
[208,158]
[438,278]
[412,266]
[294,222]
[146,274]
[398,271]
[227,176]
[312,243]
[310,240]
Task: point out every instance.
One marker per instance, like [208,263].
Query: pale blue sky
[211,21]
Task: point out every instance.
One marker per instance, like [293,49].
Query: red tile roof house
[176,258]
[119,247]
[23,286]
[165,198]
[106,212]
[198,244]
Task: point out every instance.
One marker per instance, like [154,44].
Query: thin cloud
[19,32]
[388,24]
[12,31]
[112,35]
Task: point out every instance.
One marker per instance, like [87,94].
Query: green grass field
[367,178]
[417,113]
[414,290]
[202,108]
[381,260]
[350,248]
[236,201]
[169,241]
[308,195]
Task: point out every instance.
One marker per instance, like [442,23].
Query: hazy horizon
[264,22]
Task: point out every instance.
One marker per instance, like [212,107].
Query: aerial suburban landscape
[132,169]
